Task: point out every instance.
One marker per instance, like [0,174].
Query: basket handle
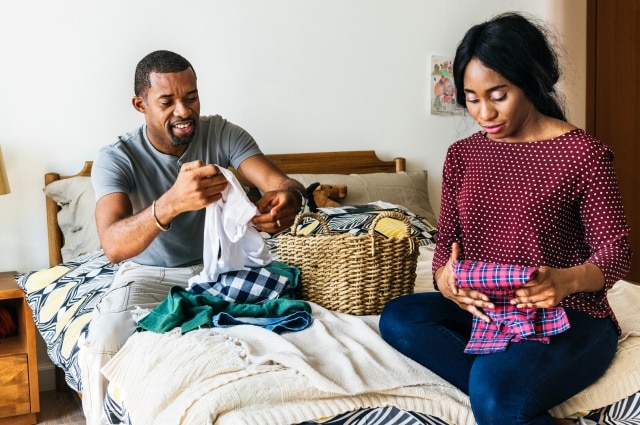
[320,219]
[391,214]
[395,215]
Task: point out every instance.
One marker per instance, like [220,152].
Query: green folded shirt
[190,311]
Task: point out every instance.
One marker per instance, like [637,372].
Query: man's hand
[197,186]
[277,210]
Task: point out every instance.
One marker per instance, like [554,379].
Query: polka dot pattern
[553,202]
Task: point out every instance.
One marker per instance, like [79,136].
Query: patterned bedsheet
[63,298]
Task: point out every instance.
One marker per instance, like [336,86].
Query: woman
[529,190]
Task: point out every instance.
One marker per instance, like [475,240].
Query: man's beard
[182,141]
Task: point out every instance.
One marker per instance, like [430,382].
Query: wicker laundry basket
[351,274]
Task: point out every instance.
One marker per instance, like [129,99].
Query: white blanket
[248,375]
[622,378]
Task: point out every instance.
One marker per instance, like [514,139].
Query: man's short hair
[161,61]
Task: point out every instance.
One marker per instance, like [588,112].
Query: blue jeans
[516,386]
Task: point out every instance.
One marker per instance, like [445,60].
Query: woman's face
[500,107]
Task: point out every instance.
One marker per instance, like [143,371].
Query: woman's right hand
[467,299]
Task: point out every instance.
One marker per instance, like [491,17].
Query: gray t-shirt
[133,166]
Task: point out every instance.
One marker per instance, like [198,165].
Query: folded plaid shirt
[249,285]
[508,323]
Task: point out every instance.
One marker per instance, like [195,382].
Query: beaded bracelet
[160,226]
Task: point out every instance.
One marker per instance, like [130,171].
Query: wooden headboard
[346,162]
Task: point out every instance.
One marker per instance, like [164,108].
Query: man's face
[171,109]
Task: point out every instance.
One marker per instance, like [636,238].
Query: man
[152,186]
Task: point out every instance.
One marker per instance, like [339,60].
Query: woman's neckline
[545,139]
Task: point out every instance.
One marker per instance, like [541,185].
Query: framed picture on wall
[443,90]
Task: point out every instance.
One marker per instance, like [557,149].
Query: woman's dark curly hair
[520,51]
[162,61]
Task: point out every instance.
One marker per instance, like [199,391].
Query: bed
[270,378]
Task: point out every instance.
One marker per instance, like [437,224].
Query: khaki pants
[134,285]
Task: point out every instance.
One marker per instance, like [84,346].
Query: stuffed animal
[325,195]
[8,325]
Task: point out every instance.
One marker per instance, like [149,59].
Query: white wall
[299,75]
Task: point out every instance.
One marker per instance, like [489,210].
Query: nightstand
[19,396]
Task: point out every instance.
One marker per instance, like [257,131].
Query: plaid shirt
[508,323]
[247,286]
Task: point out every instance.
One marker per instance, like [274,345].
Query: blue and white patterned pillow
[63,298]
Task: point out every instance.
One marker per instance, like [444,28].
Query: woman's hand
[467,299]
[550,286]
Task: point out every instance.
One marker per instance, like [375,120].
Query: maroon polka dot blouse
[553,202]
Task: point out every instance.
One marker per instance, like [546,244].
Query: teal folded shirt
[283,269]
[190,311]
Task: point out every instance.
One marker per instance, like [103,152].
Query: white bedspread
[249,375]
[623,376]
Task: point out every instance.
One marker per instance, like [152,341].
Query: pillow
[76,218]
[63,298]
[406,189]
